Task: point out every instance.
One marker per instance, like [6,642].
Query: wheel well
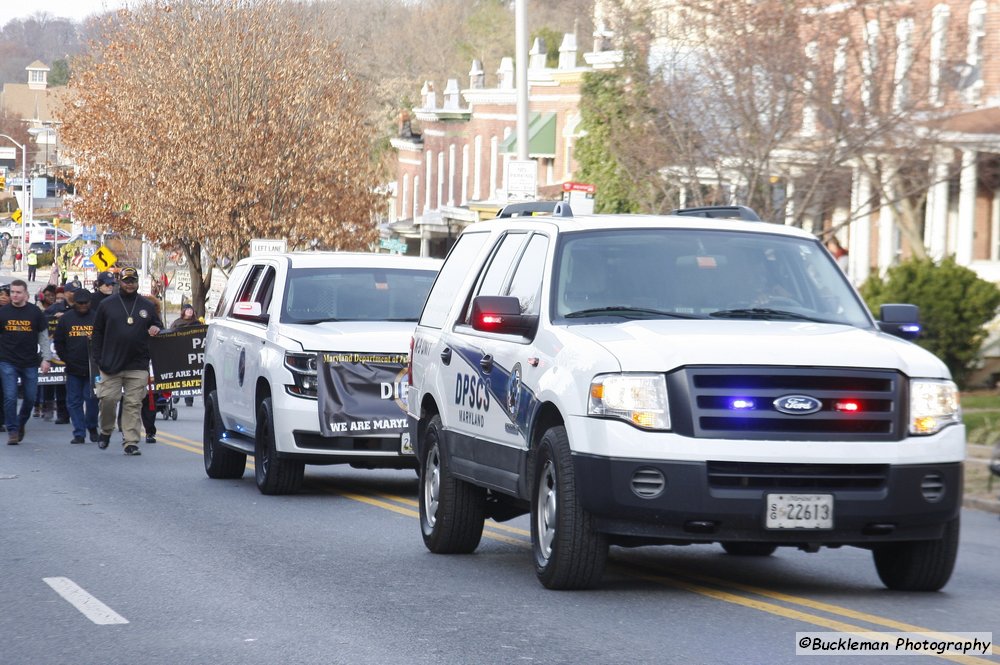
[428,409]
[548,416]
[263,390]
[208,380]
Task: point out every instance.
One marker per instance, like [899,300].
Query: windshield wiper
[312,322]
[628,312]
[762,313]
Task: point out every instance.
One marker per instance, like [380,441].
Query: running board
[239,442]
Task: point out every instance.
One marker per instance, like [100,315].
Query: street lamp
[28,205]
[49,133]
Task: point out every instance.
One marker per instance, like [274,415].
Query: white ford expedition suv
[305,362]
[633,380]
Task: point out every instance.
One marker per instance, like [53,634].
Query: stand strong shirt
[19,334]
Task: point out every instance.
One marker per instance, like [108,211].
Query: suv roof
[350,259]
[605,221]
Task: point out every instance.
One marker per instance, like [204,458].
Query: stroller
[163,403]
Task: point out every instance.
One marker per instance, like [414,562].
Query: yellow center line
[391,503]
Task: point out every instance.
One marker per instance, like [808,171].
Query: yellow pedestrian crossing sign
[103,258]
[16,216]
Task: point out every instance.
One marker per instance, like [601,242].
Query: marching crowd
[101,336]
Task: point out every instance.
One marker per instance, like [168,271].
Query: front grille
[702,398]
[757,475]
[346,443]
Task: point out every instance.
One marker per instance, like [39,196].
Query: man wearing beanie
[122,329]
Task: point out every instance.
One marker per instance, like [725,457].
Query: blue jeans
[82,404]
[9,374]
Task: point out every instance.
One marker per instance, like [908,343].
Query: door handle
[486,363]
[446,356]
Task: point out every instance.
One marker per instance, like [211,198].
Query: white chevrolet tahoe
[634,380]
[305,363]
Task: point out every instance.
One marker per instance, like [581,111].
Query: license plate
[799,511]
[405,447]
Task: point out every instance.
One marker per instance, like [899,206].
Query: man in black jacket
[72,338]
[104,286]
[24,344]
[122,329]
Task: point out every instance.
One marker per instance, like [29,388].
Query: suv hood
[665,345]
[378,336]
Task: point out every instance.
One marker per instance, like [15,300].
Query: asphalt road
[164,565]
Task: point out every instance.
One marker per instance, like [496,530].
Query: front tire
[220,462]
[273,474]
[569,553]
[922,565]
[452,512]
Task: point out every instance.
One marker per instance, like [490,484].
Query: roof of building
[32,104]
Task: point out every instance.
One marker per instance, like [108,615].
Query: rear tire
[569,553]
[220,462]
[273,474]
[452,511]
[921,565]
[749,549]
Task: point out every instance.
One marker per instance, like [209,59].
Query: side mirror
[249,311]
[900,320]
[501,314]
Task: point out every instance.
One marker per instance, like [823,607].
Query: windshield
[315,295]
[694,273]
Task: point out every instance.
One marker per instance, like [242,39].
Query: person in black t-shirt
[24,341]
[122,329]
[72,338]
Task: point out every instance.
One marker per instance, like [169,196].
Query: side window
[526,285]
[246,289]
[265,289]
[500,264]
[449,280]
[237,283]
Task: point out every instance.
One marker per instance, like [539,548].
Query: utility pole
[521,75]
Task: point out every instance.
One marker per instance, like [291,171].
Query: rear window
[315,295]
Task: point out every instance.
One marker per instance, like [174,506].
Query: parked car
[636,380]
[305,362]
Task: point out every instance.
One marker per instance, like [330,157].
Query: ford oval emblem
[797,405]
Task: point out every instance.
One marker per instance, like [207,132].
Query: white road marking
[89,606]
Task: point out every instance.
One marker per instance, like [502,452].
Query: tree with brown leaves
[203,124]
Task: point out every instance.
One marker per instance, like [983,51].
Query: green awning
[541,136]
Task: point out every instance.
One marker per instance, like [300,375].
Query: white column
[465,174]
[428,179]
[441,177]
[936,216]
[477,175]
[404,197]
[966,209]
[451,174]
[416,198]
[789,202]
[886,226]
[859,251]
[494,148]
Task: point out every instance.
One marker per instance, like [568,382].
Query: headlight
[933,404]
[640,399]
[303,367]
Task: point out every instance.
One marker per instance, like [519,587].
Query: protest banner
[362,393]
[178,359]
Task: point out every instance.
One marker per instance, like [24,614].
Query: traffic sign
[394,245]
[260,246]
[522,179]
[103,258]
[16,216]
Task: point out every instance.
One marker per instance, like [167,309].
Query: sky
[72,9]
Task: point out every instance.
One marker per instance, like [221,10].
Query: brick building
[452,171]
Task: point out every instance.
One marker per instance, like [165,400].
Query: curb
[988,505]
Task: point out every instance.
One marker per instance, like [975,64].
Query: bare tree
[778,105]
[205,123]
